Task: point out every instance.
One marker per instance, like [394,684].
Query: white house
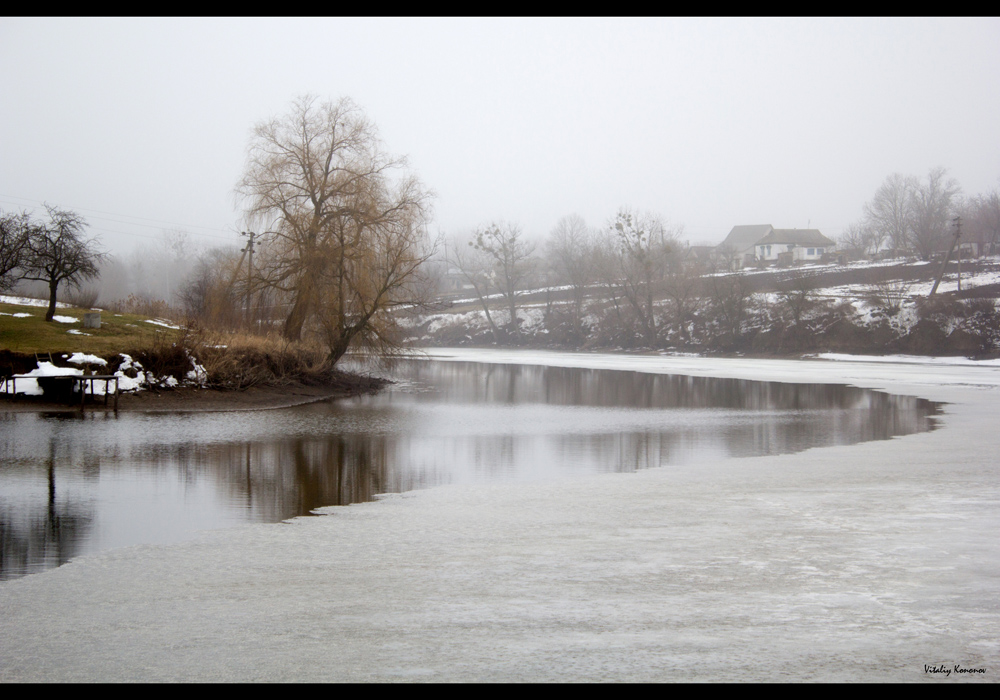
[803,243]
[738,248]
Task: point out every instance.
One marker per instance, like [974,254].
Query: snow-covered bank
[866,562]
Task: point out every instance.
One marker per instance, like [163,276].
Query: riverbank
[865,307]
[870,562]
[196,399]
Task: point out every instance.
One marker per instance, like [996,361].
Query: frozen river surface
[875,561]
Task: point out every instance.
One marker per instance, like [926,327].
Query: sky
[142,124]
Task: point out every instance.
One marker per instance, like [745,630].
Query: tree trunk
[52,301]
[338,350]
[300,308]
[296,319]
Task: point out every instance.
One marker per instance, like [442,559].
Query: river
[75,484]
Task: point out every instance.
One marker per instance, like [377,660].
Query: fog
[142,125]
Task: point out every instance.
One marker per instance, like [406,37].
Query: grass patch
[118,332]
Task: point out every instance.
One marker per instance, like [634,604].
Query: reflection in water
[72,484]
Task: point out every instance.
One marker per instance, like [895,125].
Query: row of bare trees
[632,280]
[909,213]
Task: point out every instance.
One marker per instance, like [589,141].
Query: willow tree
[343,224]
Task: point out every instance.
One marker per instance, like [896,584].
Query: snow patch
[79,358]
[28,301]
[30,386]
[160,322]
[907,359]
[127,383]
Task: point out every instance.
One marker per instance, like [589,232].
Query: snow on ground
[28,301]
[65,319]
[79,358]
[909,359]
[161,322]
[869,562]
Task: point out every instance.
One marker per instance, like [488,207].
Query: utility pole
[249,251]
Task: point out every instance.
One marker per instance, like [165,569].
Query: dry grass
[240,360]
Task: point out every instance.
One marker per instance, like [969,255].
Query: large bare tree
[476,268]
[932,210]
[58,252]
[343,223]
[504,245]
[889,214]
[641,246]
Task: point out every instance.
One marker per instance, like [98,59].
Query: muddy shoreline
[197,400]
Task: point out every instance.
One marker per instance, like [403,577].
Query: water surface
[72,484]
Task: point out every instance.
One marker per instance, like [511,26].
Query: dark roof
[743,238]
[798,236]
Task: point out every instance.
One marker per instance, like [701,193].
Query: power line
[155,222]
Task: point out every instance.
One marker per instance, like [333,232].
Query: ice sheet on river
[876,561]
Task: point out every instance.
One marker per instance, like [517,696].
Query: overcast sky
[142,125]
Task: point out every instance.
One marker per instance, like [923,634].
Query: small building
[803,244]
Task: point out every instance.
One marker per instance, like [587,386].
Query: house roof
[797,236]
[743,238]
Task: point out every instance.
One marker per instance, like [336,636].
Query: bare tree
[681,288]
[504,245]
[860,238]
[642,245]
[571,252]
[14,233]
[982,221]
[209,295]
[889,214]
[932,209]
[476,268]
[796,296]
[730,298]
[345,223]
[58,253]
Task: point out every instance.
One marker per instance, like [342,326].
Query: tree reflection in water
[160,477]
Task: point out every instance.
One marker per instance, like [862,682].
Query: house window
[811,251]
